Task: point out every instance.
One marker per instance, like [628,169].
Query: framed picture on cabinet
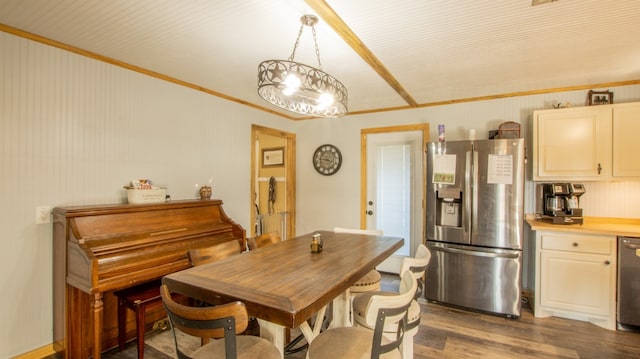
[599,98]
[272,157]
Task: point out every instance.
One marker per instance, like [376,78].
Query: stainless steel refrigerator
[475,219]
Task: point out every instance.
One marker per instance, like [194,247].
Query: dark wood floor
[453,333]
[447,332]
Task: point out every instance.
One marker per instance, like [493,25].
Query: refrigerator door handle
[466,196]
[475,253]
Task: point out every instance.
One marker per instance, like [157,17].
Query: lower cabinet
[576,277]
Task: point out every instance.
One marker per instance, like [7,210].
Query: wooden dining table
[284,285]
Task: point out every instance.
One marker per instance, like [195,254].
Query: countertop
[592,225]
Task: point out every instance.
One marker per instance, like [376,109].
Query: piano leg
[98,311]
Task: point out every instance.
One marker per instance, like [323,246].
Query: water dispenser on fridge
[449,207]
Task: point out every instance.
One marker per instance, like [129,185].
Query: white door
[394,190]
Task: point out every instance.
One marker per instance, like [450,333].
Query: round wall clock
[327,159]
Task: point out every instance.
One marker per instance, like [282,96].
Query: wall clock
[327,159]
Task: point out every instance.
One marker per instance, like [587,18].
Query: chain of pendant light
[310,23]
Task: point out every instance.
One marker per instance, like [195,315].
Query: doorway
[273,182]
[392,194]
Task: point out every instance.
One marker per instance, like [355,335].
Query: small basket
[509,129]
[156,195]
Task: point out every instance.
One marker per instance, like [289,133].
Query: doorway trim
[290,173]
[424,128]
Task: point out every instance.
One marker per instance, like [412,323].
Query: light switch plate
[43,214]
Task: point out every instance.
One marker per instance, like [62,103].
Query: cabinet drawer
[581,244]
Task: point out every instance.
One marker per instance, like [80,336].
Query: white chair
[417,266]
[361,343]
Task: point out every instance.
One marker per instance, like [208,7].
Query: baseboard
[39,353]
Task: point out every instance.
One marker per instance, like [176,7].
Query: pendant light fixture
[301,88]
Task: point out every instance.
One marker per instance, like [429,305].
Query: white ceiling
[435,51]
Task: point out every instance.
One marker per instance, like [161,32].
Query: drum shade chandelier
[301,88]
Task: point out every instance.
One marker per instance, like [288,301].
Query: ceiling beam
[332,19]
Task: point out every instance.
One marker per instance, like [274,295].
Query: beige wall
[74,131]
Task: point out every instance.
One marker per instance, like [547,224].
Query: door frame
[290,173]
[422,127]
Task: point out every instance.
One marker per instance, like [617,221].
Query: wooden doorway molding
[424,128]
[289,156]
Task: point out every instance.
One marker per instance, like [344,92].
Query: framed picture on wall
[272,157]
[599,98]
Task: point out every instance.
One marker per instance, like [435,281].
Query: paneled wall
[74,131]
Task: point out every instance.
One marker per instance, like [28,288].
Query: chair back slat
[221,321]
[263,240]
[210,254]
[378,348]
[408,288]
[418,266]
[391,311]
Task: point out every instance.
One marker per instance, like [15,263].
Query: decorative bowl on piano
[153,195]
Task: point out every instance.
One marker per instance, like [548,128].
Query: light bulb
[291,84]
[325,100]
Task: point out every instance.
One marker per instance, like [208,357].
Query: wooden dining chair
[210,254]
[362,343]
[417,266]
[213,253]
[145,296]
[221,323]
[142,297]
[263,240]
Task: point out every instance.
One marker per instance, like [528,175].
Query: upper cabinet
[626,140]
[595,143]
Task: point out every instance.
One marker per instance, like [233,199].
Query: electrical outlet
[43,214]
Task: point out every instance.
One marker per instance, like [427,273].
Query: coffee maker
[561,202]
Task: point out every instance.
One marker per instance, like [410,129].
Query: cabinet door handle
[575,244]
[607,263]
[599,168]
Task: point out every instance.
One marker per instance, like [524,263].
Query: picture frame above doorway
[273,157]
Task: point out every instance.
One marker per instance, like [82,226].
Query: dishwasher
[628,283]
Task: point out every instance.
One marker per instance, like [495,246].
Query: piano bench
[138,299]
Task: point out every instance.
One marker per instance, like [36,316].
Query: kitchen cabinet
[576,277]
[594,143]
[626,140]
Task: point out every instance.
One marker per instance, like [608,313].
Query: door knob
[371,203]
[370,212]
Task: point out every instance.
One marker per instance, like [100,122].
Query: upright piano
[100,249]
